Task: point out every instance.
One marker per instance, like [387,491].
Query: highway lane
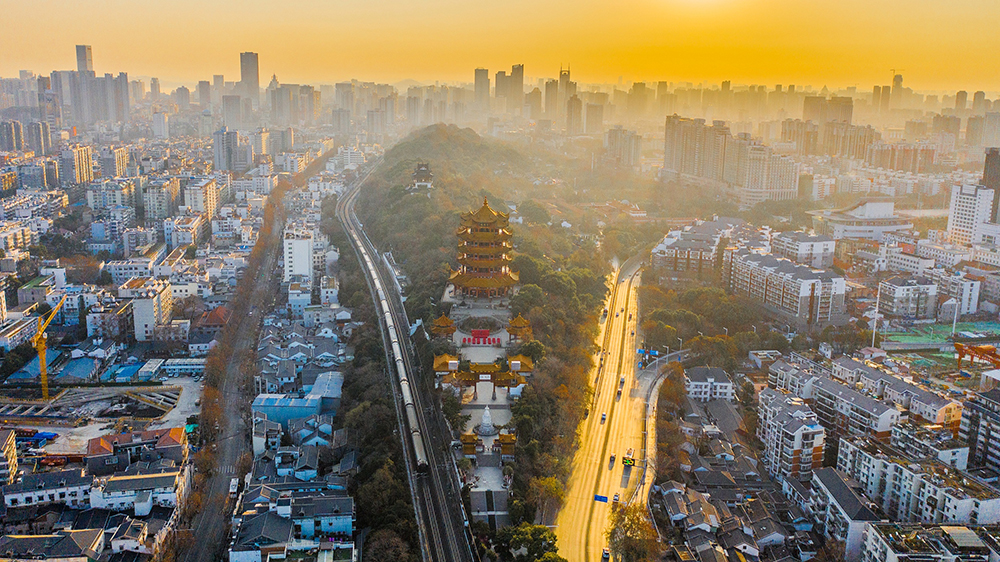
[582,521]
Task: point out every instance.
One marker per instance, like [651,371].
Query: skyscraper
[38,138]
[483,88]
[991,178]
[250,76]
[11,135]
[154,89]
[551,98]
[84,59]
[515,87]
[961,100]
[574,116]
[501,85]
[204,94]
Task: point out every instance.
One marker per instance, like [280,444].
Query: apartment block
[796,293]
[840,512]
[917,490]
[908,296]
[920,404]
[980,427]
[792,436]
[814,250]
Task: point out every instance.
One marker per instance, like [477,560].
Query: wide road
[582,521]
[211,524]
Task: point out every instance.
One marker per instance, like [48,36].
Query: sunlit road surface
[582,521]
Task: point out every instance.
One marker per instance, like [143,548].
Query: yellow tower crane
[38,341]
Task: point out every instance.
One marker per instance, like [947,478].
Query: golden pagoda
[484,250]
[443,327]
[519,329]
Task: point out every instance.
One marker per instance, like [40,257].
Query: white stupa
[486,427]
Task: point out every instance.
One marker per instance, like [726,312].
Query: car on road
[621,383]
[586,413]
[619,395]
[616,498]
[617,314]
[606,555]
[613,457]
[604,417]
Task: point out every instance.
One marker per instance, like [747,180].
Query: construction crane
[38,342]
[986,353]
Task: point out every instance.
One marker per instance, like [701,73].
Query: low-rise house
[71,487]
[140,490]
[63,546]
[708,383]
[113,453]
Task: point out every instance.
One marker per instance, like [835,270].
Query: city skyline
[850,44]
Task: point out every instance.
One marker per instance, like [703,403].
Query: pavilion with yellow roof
[443,327]
[484,254]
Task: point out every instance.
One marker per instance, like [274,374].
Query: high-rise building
[154,89]
[160,198]
[501,88]
[76,165]
[114,160]
[574,116]
[482,89]
[225,147]
[552,98]
[204,94]
[623,147]
[515,88]
[563,85]
[11,135]
[38,138]
[250,76]
[298,253]
[161,125]
[961,100]
[971,208]
[979,102]
[897,90]
[202,196]
[232,110]
[84,59]
[594,123]
[991,178]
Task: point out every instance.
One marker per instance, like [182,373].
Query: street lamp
[754,328]
[682,343]
[727,331]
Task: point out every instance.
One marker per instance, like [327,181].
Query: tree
[533,349]
[533,212]
[631,537]
[385,545]
[451,407]
[536,540]
[542,491]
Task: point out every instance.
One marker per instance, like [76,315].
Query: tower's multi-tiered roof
[484,252]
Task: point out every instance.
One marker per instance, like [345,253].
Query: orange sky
[938,43]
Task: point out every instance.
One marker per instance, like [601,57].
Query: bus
[629,459]
[234,487]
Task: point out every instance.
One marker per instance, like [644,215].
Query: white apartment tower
[298,256]
[970,210]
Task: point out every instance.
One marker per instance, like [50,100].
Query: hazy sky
[939,44]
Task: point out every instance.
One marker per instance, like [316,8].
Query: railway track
[442,527]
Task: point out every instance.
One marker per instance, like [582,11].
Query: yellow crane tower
[38,341]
